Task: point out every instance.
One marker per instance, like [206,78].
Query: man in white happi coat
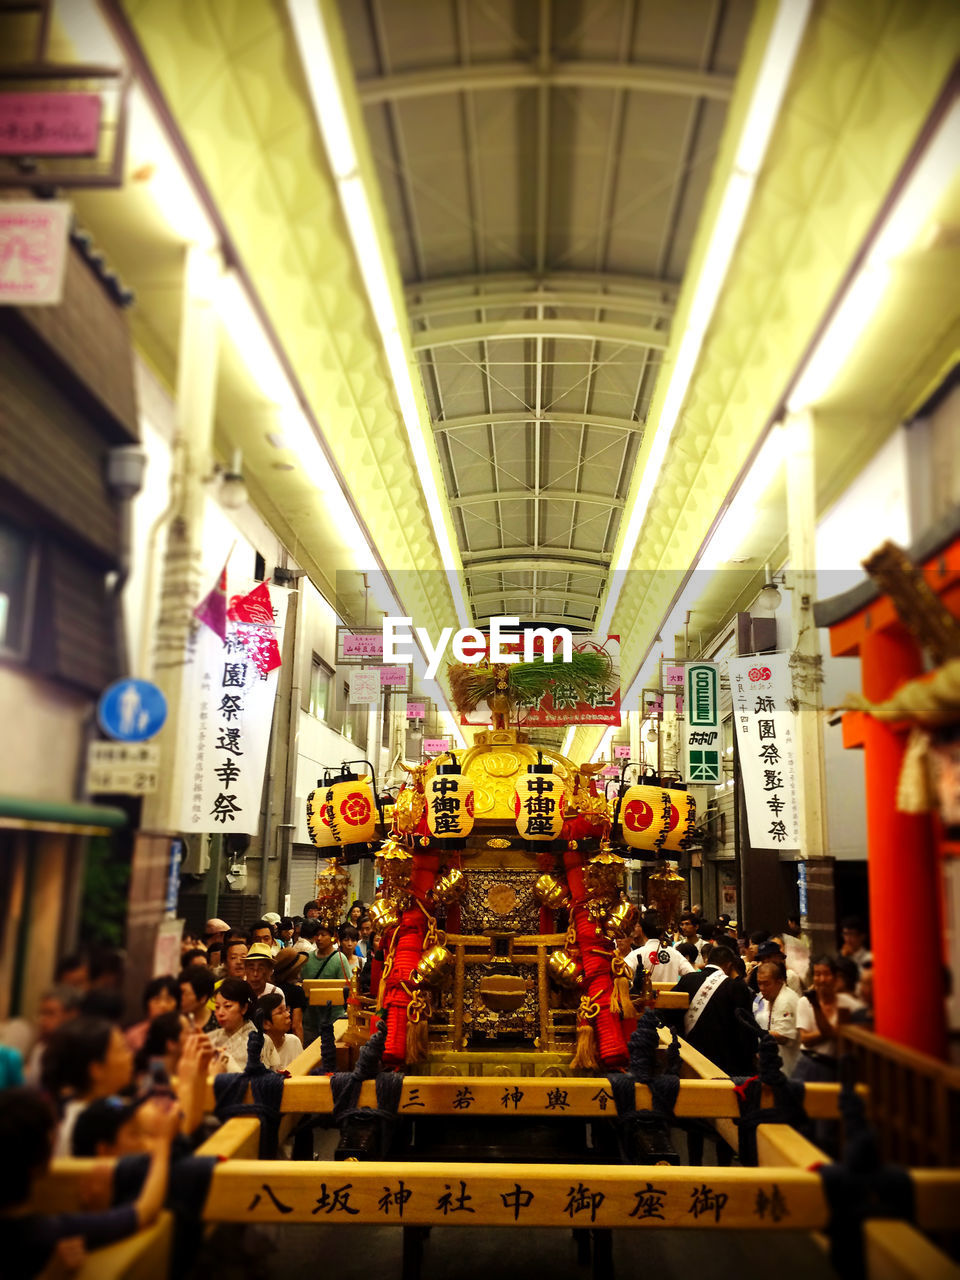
[775,1010]
[663,963]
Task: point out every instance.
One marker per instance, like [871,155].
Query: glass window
[16,589]
[321,690]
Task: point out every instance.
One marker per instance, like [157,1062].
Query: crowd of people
[801,1000]
[86,1080]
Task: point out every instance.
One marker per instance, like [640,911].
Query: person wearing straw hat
[258,968]
[288,979]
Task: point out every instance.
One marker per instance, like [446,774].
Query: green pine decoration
[503,686]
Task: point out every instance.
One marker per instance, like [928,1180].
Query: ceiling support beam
[541,297]
[533,495]
[543,593]
[558,418]
[547,619]
[624,335]
[567,74]
[432,292]
[531,560]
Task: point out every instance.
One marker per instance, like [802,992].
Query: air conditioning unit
[196,859]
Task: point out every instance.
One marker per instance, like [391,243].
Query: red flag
[212,609]
[255,606]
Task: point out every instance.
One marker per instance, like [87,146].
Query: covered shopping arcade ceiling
[535,381]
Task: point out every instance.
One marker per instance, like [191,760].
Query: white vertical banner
[226,710]
[761,690]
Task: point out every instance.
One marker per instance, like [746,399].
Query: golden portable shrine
[501,904]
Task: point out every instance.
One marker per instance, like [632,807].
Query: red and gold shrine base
[596,954]
[407,948]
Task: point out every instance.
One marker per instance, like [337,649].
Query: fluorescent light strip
[247,335]
[603,744]
[774,75]
[927,184]
[319,66]
[935,170]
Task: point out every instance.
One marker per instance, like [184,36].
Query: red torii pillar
[903,862]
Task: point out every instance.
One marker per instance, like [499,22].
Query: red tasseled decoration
[406,956]
[595,952]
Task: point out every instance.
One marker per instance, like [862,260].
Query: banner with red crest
[226,707]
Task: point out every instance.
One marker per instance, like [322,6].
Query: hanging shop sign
[364,686]
[33,251]
[673,676]
[767,740]
[416,710]
[49,124]
[621,753]
[435,746]
[702,737]
[229,689]
[396,677]
[356,646]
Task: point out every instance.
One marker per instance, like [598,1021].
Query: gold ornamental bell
[564,970]
[433,965]
[383,914]
[449,887]
[620,920]
[551,893]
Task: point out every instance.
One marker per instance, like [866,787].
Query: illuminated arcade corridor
[339,337]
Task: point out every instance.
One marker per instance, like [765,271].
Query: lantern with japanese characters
[683,817]
[449,797]
[321,833]
[539,803]
[351,809]
[644,816]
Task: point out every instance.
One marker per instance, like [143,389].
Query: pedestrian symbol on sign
[132,710]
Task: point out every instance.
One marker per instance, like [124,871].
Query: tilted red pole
[902,867]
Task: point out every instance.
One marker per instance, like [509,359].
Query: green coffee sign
[703,760]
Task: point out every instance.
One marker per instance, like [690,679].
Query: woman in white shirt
[279,1047]
[232,1005]
[820,1014]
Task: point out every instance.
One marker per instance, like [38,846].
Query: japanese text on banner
[225,715]
[760,688]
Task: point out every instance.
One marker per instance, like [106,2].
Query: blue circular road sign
[131,710]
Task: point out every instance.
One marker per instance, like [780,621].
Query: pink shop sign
[49,124]
[416,710]
[360,646]
[393,675]
[33,251]
[435,746]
